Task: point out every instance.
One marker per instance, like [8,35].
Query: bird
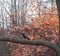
[25,36]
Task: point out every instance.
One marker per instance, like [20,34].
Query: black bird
[25,36]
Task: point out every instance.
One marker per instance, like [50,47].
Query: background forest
[34,19]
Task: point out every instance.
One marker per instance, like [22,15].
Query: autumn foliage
[44,27]
[47,30]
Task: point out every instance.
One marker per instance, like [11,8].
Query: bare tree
[14,12]
[39,4]
[2,16]
[22,13]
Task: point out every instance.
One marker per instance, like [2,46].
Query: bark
[58,8]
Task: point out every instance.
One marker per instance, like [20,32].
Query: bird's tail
[25,36]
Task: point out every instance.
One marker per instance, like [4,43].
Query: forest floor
[14,49]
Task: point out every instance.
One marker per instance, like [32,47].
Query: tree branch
[34,42]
